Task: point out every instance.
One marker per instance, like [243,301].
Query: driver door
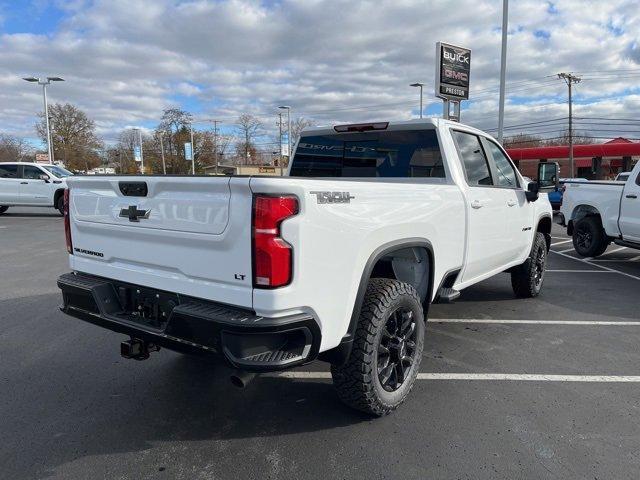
[33,190]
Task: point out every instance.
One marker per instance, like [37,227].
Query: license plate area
[146,306]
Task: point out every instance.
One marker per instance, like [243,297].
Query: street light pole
[193,151]
[288,109]
[281,161]
[164,166]
[418,84]
[141,154]
[503,68]
[44,82]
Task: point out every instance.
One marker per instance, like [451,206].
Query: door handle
[512,203]
[24,183]
[476,204]
[631,196]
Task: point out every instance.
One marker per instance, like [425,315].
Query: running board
[624,243]
[447,295]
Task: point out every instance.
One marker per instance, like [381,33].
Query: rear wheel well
[580,212]
[410,265]
[409,261]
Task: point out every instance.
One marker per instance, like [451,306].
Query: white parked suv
[339,261]
[32,185]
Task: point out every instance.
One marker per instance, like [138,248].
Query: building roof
[619,140]
[609,149]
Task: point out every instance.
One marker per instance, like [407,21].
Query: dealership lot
[540,388]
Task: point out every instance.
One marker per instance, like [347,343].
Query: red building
[601,161]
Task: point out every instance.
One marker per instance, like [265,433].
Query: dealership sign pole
[452,77]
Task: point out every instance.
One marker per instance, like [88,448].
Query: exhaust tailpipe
[241,379]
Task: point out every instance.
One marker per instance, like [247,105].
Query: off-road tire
[60,204]
[358,381]
[3,209]
[589,238]
[527,279]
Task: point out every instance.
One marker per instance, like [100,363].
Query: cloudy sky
[124,61]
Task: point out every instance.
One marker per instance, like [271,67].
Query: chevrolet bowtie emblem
[133,214]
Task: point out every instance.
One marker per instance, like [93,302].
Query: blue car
[555,196]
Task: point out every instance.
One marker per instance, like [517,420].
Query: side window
[8,171]
[31,172]
[473,159]
[506,175]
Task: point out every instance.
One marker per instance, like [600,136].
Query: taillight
[67,221]
[272,256]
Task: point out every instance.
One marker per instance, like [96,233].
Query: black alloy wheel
[397,349]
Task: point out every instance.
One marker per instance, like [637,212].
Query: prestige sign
[452,71]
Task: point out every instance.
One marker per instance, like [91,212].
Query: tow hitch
[137,349]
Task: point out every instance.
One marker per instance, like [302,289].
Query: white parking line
[613,251]
[578,271]
[526,377]
[565,251]
[533,322]
[560,243]
[596,265]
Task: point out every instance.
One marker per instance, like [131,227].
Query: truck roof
[29,163]
[415,124]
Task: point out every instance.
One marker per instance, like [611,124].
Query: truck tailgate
[188,235]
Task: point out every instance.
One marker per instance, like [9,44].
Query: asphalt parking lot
[541,388]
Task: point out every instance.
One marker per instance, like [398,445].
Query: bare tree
[248,128]
[522,140]
[73,135]
[297,126]
[14,149]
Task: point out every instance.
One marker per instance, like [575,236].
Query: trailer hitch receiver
[137,349]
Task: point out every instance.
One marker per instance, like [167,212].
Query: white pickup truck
[31,185]
[339,261]
[598,213]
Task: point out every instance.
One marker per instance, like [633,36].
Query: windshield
[58,171]
[413,153]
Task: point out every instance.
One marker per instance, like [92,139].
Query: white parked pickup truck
[598,213]
[31,185]
[339,261]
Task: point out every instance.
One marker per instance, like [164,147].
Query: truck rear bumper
[246,340]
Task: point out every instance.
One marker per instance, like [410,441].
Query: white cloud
[125,61]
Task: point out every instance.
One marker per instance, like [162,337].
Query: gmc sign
[452,71]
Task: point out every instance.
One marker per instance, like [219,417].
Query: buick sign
[452,71]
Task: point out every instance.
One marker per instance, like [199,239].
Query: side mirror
[44,177]
[548,175]
[533,191]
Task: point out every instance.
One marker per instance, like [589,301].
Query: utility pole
[281,161]
[164,166]
[570,79]
[503,68]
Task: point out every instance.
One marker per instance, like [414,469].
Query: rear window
[413,153]
[8,171]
